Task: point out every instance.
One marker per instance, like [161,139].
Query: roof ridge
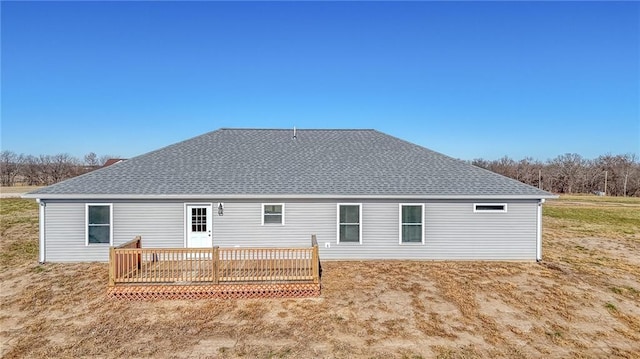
[297,128]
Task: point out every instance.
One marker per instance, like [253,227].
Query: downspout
[41,246]
[539,231]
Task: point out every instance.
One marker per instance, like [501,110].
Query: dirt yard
[582,301]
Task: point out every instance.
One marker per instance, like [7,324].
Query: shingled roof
[261,163]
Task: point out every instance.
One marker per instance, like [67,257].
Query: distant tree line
[45,169]
[572,173]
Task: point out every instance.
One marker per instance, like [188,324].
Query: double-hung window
[349,223]
[99,226]
[273,213]
[411,229]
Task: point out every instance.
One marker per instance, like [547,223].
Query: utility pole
[605,182]
[539,179]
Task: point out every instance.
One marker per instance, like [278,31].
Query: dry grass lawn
[582,301]
[16,191]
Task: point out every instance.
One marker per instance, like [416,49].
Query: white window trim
[262,214]
[359,222]
[86,224]
[400,224]
[476,210]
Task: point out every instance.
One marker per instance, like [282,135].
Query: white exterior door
[199,226]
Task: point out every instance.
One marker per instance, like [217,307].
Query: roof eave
[44,196]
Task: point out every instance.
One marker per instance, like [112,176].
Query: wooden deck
[173,273]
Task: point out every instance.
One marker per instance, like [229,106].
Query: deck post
[215,257]
[112,264]
[315,259]
[139,257]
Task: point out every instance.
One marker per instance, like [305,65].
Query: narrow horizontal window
[273,213]
[489,207]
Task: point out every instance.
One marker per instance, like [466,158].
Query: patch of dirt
[423,309]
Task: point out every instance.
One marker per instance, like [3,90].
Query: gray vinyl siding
[241,224]
[451,229]
[161,224]
[454,231]
[65,235]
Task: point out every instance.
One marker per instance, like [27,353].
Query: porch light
[220,209]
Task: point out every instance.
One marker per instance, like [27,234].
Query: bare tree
[482,163]
[571,173]
[8,168]
[567,169]
[91,159]
[30,171]
[628,168]
[63,166]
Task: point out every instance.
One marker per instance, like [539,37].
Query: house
[363,193]
[112,161]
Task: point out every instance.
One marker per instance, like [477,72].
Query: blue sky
[471,80]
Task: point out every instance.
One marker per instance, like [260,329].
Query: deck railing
[130,263]
[121,264]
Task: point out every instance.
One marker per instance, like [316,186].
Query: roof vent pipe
[294,132]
